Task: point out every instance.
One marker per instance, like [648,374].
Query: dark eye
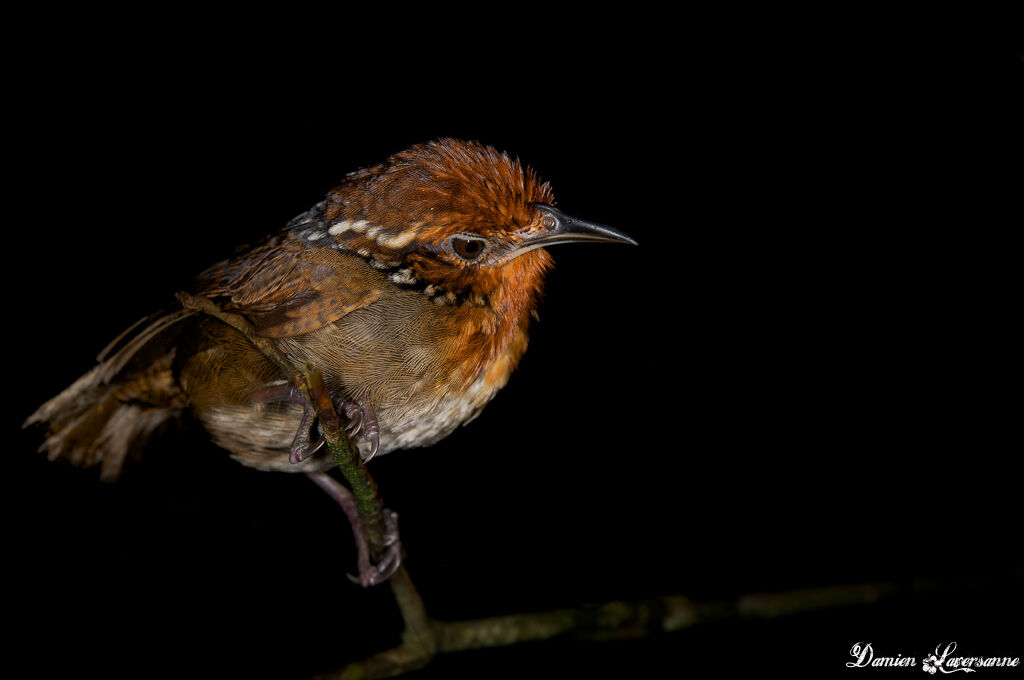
[468,248]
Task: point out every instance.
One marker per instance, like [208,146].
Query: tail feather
[113,363]
[114,408]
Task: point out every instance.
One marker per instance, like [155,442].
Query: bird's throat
[496,306]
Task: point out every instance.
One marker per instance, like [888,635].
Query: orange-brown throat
[496,313]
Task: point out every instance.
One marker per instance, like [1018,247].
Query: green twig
[609,621]
[423,638]
[346,457]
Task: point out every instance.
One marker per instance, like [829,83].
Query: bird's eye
[548,222]
[468,248]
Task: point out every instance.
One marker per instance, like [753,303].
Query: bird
[411,286]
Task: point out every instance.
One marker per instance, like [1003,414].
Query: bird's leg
[376,562]
[303,445]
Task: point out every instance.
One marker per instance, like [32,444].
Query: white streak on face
[446,299]
[403,276]
[399,240]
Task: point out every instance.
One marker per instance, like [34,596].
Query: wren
[410,286]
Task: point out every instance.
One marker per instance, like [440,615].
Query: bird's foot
[361,417]
[377,560]
[359,413]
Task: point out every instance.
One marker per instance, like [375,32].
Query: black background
[794,381]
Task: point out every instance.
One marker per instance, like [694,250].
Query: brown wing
[288,289]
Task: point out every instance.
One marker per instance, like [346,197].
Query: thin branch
[346,457]
[609,621]
[423,638]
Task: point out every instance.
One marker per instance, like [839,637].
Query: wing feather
[289,289]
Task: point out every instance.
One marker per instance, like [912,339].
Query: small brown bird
[411,286]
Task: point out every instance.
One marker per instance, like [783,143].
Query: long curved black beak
[567,229]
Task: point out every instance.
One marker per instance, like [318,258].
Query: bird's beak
[567,229]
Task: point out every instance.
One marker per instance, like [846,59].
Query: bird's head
[459,220]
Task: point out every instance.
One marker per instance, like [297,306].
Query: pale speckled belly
[260,435]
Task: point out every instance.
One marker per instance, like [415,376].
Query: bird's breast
[424,369]
[424,421]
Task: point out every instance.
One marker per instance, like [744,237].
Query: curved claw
[379,574]
[299,455]
[371,429]
[374,439]
[355,419]
[301,446]
[361,418]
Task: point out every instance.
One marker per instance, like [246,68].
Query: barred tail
[114,408]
